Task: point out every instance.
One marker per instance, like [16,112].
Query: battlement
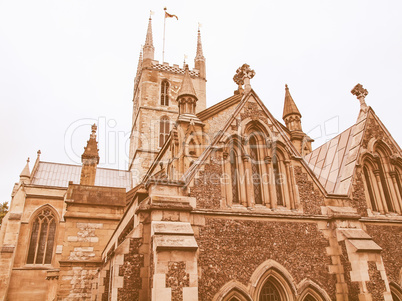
[155,65]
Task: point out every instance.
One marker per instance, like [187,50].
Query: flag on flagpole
[167,15]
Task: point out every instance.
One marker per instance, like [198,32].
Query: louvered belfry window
[165,93]
[42,238]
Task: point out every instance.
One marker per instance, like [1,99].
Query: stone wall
[389,238]
[310,198]
[207,187]
[130,271]
[231,249]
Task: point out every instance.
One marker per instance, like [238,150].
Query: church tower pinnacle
[291,114]
[25,174]
[292,117]
[199,61]
[90,159]
[149,48]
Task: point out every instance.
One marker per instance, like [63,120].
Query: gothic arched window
[369,186]
[255,170]
[234,176]
[165,93]
[164,129]
[278,180]
[42,238]
[270,292]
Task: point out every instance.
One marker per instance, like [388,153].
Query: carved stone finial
[94,128]
[28,160]
[360,93]
[243,76]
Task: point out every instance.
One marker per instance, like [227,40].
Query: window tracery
[42,238]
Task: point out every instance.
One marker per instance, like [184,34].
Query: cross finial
[361,94]
[243,76]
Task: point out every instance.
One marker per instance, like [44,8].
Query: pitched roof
[57,174]
[334,162]
[220,106]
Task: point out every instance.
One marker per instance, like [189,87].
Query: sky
[65,64]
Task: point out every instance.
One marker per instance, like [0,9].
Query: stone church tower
[155,108]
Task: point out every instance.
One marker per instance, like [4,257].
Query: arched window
[234,176]
[165,93]
[255,170]
[278,179]
[270,292]
[385,189]
[309,298]
[42,238]
[369,186]
[398,182]
[164,128]
[396,292]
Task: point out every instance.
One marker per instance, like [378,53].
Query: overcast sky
[65,64]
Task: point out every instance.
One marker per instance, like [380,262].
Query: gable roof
[220,106]
[190,173]
[58,175]
[334,162]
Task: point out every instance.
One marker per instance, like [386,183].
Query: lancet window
[165,93]
[255,170]
[164,129]
[382,181]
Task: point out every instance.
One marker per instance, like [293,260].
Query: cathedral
[220,203]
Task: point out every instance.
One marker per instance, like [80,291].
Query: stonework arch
[396,291]
[42,239]
[248,123]
[274,272]
[308,287]
[232,289]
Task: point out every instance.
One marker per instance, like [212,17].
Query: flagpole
[164,26]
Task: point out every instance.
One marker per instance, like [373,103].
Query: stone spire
[149,48]
[187,87]
[361,94]
[25,175]
[199,61]
[289,107]
[187,97]
[292,118]
[90,159]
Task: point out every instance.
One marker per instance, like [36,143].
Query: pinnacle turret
[199,54]
[289,107]
[187,87]
[90,159]
[25,174]
[199,60]
[149,48]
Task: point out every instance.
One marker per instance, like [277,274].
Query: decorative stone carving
[360,93]
[243,76]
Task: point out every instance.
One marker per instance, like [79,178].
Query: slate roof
[57,174]
[334,162]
